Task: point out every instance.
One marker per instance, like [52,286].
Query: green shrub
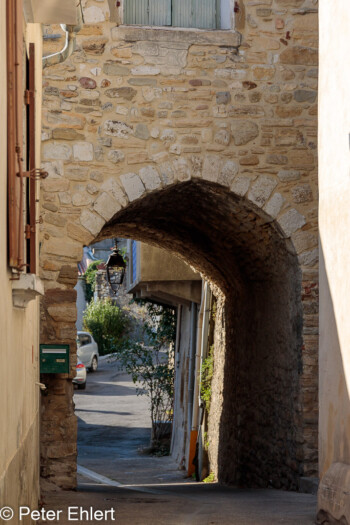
[210,478]
[90,279]
[152,368]
[207,371]
[107,323]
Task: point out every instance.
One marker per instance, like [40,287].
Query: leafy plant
[207,371]
[210,478]
[107,323]
[152,368]
[90,279]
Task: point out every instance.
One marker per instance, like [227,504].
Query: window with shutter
[21,173]
[15,103]
[201,14]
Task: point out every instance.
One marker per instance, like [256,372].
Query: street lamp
[115,267]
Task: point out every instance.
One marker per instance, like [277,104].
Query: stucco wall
[19,328]
[334,181]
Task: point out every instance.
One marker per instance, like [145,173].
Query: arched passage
[257,426]
[255,412]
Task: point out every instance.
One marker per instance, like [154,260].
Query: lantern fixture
[115,270]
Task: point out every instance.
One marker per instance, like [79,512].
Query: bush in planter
[107,324]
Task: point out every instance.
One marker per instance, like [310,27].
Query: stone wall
[203,143]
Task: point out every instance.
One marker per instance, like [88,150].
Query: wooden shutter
[160,12]
[15,103]
[148,12]
[31,181]
[182,13]
[204,14]
[200,14]
[136,12]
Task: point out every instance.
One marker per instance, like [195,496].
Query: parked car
[80,378]
[87,351]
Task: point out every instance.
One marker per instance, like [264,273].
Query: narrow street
[113,426]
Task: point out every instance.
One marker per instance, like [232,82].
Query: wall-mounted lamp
[115,267]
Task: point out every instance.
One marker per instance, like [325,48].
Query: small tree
[107,323]
[152,366]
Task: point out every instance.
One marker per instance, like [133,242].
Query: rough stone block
[304,241]
[55,185]
[211,167]
[91,222]
[223,97]
[116,156]
[127,93]
[305,95]
[57,151]
[302,193]
[289,175]
[228,172]
[145,71]
[95,46]
[78,233]
[117,129]
[63,312]
[83,151]
[182,169]
[63,248]
[309,258]
[261,190]
[249,160]
[106,206]
[274,205]
[142,131]
[263,72]
[222,137]
[114,69]
[113,187]
[133,185]
[299,55]
[54,169]
[81,198]
[93,15]
[244,131]
[68,275]
[291,221]
[150,178]
[65,120]
[167,173]
[241,184]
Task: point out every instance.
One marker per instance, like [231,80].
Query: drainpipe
[191,406]
[70,43]
[203,355]
[196,400]
[177,363]
[191,373]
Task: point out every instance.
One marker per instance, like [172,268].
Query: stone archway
[250,244]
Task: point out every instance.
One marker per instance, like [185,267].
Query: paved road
[113,425]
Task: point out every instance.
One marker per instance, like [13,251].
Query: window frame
[228,5]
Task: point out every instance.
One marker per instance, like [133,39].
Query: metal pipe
[196,396]
[204,355]
[177,362]
[191,371]
[70,41]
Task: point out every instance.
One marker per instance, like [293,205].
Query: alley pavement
[128,487]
